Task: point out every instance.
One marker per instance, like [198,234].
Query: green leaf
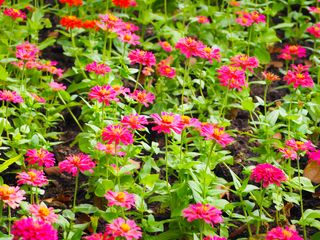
[103,185]
[149,180]
[8,162]
[86,208]
[248,104]
[262,54]
[3,73]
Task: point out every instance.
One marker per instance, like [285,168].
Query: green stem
[260,210]
[118,166]
[9,220]
[165,9]
[137,81]
[265,98]
[186,73]
[249,40]
[225,101]
[105,46]
[245,214]
[76,55]
[301,200]
[204,193]
[75,192]
[167,165]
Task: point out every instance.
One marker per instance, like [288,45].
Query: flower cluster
[246,19]
[232,77]
[40,65]
[98,68]
[292,148]
[10,96]
[299,76]
[290,52]
[267,174]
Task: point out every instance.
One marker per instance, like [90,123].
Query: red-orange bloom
[72,2]
[71,22]
[122,3]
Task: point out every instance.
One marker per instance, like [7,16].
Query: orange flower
[72,2]
[71,22]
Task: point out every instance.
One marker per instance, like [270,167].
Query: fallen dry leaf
[312,171]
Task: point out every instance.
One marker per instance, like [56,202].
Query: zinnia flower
[267,174]
[314,30]
[166,46]
[288,153]
[315,10]
[124,228]
[116,134]
[10,96]
[122,199]
[72,2]
[144,58]
[32,177]
[12,196]
[203,19]
[99,236]
[41,157]
[27,51]
[43,213]
[205,212]
[110,148]
[232,77]
[129,37]
[314,156]
[57,86]
[70,22]
[143,97]
[245,62]
[280,233]
[37,98]
[30,229]
[190,47]
[134,121]
[214,132]
[167,122]
[98,68]
[292,52]
[76,163]
[122,3]
[210,54]
[190,122]
[270,77]
[14,13]
[167,71]
[299,77]
[214,238]
[104,94]
[300,146]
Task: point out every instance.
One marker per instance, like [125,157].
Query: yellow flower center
[44,211]
[120,197]
[32,175]
[287,234]
[125,227]
[185,119]
[5,192]
[167,119]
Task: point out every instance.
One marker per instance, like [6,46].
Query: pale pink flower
[214,238]
[134,121]
[32,177]
[121,90]
[214,132]
[315,10]
[166,46]
[210,54]
[190,122]
[129,37]
[57,86]
[76,163]
[12,196]
[147,71]
[143,97]
[124,228]
[167,122]
[40,157]
[267,174]
[288,153]
[43,213]
[109,22]
[116,134]
[37,98]
[122,199]
[300,146]
[203,19]
[110,149]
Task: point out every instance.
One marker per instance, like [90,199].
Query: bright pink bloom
[247,19]
[98,68]
[280,233]
[292,52]
[142,57]
[122,199]
[33,177]
[166,46]
[37,98]
[190,122]
[76,163]
[12,196]
[27,51]
[232,77]
[134,121]
[314,30]
[190,47]
[41,157]
[205,212]
[121,90]
[299,77]
[203,19]
[288,153]
[30,229]
[110,148]
[214,238]
[10,96]
[109,22]
[214,132]
[127,27]
[300,146]
[57,86]
[245,62]
[314,156]
[14,13]
[43,213]
[128,37]
[267,174]
[167,71]
[167,122]
[143,97]
[122,3]
[210,54]
[116,134]
[315,10]
[124,228]
[104,94]
[99,236]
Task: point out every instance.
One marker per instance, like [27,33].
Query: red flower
[299,77]
[72,2]
[71,22]
[267,174]
[122,3]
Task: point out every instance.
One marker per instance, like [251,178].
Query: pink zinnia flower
[10,96]
[98,68]
[214,132]
[292,52]
[280,233]
[203,19]
[37,98]
[41,157]
[43,213]
[14,13]
[247,19]
[12,196]
[143,97]
[232,77]
[144,58]
[33,177]
[205,212]
[116,134]
[300,146]
[267,174]
[147,71]
[104,94]
[121,90]
[299,77]
[129,37]
[57,86]
[27,51]
[245,62]
[214,238]
[122,199]
[99,236]
[76,163]
[124,228]
[109,22]
[134,121]
[314,156]
[288,153]
[190,47]
[167,71]
[314,30]
[166,46]
[315,10]
[167,122]
[210,54]
[110,148]
[30,229]
[190,122]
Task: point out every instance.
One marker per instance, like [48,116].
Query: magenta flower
[129,37]
[214,132]
[167,122]
[190,47]
[121,90]
[205,212]
[27,51]
[232,77]
[314,30]
[10,96]
[30,229]
[299,77]
[134,121]
[203,19]
[280,233]
[288,153]
[122,199]
[144,58]
[267,174]
[57,86]
[14,13]
[110,149]
[76,163]
[109,23]
[166,46]
[214,238]
[40,157]
[210,54]
[292,52]
[190,122]
[314,156]
[315,10]
[99,236]
[124,228]
[33,177]
[167,71]
[300,146]
[98,68]
[116,134]
[43,213]
[246,19]
[245,62]
[104,94]
[143,97]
